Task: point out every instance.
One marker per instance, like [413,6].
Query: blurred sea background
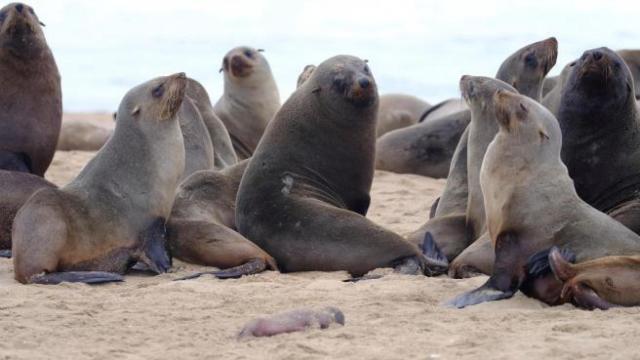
[103,48]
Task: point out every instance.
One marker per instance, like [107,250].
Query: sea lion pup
[250,98]
[31,97]
[600,124]
[15,189]
[305,74]
[632,59]
[598,284]
[223,152]
[531,204]
[201,229]
[397,111]
[84,135]
[112,214]
[459,215]
[306,207]
[427,148]
[292,321]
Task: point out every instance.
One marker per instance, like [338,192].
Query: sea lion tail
[560,264]
[5,254]
[251,267]
[86,277]
[436,262]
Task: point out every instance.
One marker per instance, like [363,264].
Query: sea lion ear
[260,50]
[522,111]
[219,71]
[136,110]
[543,134]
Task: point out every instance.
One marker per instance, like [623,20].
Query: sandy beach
[395,317]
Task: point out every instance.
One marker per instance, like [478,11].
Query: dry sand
[395,317]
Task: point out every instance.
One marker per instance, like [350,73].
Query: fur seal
[201,229]
[307,207]
[291,321]
[250,98]
[112,214]
[31,96]
[632,59]
[531,203]
[397,111]
[600,123]
[459,216]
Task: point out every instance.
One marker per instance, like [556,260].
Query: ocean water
[415,47]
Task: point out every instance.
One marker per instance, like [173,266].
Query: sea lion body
[112,214]
[250,98]
[306,206]
[31,96]
[398,111]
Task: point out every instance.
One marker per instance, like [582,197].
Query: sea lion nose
[597,55]
[19,7]
[364,83]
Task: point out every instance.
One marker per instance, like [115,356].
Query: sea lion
[31,96]
[201,229]
[292,321]
[459,216]
[531,203]
[600,124]
[307,207]
[250,98]
[397,111]
[305,74]
[601,283]
[223,152]
[112,214]
[443,108]
[632,59]
[427,148]
[15,189]
[83,134]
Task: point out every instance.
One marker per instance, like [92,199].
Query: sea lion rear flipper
[154,253]
[87,277]
[15,161]
[508,275]
[436,262]
[585,297]
[5,254]
[251,267]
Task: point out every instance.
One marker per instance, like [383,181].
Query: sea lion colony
[542,193]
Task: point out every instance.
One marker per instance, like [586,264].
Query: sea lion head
[528,124]
[21,30]
[306,74]
[526,69]
[244,63]
[600,75]
[158,99]
[344,82]
[478,92]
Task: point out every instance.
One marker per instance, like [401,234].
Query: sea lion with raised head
[397,111]
[531,204]
[250,98]
[31,96]
[307,207]
[113,214]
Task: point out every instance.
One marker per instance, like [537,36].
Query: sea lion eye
[249,54]
[531,61]
[158,91]
[31,11]
[572,64]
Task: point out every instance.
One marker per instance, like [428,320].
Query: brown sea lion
[292,321]
[531,203]
[31,96]
[113,214]
[598,284]
[83,134]
[397,111]
[307,207]
[15,189]
[459,216]
[632,59]
[600,124]
[250,98]
[201,229]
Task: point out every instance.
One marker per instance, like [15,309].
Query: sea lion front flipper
[436,262]
[154,253]
[584,297]
[5,254]
[251,267]
[508,274]
[86,277]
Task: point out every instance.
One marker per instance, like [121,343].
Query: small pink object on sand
[291,321]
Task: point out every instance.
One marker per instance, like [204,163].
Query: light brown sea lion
[250,98]
[292,321]
[31,97]
[201,229]
[598,284]
[397,111]
[531,203]
[15,189]
[83,134]
[113,214]
[459,215]
[306,207]
[632,59]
